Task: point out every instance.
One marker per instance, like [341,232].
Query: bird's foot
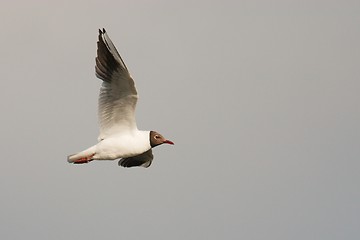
[86,159]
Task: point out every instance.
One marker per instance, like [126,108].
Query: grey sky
[260,97]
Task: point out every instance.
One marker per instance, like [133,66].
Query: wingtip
[103,31]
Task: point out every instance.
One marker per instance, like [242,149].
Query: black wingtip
[102,32]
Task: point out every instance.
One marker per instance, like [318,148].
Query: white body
[122,146]
[117,146]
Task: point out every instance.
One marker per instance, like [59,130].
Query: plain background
[260,97]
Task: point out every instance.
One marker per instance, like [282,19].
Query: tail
[82,157]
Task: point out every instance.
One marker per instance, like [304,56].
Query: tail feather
[82,157]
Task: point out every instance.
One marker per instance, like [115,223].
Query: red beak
[169,142]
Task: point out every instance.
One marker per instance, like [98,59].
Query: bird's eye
[157,136]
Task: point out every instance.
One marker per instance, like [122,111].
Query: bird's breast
[122,146]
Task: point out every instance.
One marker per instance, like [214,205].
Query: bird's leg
[86,159]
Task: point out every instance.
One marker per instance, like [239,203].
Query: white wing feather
[118,95]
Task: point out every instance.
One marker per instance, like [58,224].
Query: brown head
[157,139]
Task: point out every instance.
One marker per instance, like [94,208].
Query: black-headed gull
[119,136]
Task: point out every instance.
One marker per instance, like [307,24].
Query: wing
[118,95]
[142,160]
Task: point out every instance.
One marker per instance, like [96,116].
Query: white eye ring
[156,136]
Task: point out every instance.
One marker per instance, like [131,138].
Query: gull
[119,136]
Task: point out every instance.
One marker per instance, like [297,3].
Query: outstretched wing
[118,95]
[142,160]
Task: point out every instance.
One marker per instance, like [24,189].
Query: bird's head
[157,139]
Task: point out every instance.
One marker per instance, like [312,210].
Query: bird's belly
[110,149]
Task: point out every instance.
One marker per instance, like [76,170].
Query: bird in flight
[119,136]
